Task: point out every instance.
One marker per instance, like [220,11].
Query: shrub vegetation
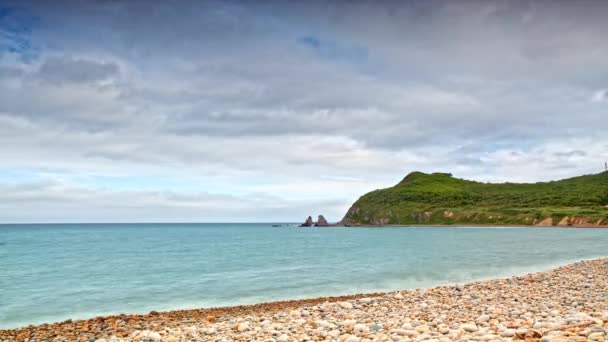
[439,198]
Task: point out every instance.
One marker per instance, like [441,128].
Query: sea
[52,272]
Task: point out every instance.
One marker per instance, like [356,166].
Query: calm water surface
[53,272]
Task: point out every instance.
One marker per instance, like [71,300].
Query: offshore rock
[307,223]
[321,222]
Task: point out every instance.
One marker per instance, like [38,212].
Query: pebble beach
[569,303]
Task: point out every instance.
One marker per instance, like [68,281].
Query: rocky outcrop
[380,221]
[564,222]
[546,222]
[572,221]
[578,221]
[422,217]
[321,222]
[308,222]
[348,218]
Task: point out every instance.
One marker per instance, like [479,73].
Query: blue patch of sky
[511,141]
[334,51]
[310,41]
[508,141]
[159,183]
[128,183]
[16,26]
[14,176]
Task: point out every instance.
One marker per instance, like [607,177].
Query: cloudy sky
[271,111]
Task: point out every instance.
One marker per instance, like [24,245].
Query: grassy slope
[441,199]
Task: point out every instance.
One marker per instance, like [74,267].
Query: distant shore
[472,225]
[568,303]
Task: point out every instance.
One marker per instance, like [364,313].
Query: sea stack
[307,223]
[321,222]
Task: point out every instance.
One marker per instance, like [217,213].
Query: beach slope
[569,303]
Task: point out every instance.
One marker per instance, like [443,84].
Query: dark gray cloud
[572,153]
[72,70]
[7,72]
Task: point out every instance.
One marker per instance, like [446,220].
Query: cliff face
[440,198]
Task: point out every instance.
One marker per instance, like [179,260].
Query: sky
[242,111]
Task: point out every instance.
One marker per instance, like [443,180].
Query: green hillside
[439,198]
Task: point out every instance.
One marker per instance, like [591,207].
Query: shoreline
[321,297]
[123,326]
[462,226]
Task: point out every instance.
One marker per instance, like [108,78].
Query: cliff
[439,198]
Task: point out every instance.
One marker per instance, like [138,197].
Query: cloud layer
[248,111]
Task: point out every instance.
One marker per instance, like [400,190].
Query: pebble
[242,326]
[360,328]
[508,333]
[469,327]
[482,319]
[346,305]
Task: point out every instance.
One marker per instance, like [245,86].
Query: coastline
[590,275]
[461,225]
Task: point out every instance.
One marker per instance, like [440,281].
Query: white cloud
[225,114]
[600,96]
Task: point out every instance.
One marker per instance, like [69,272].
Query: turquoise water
[53,272]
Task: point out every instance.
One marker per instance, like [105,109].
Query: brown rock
[307,223]
[546,222]
[347,221]
[582,221]
[564,222]
[380,221]
[321,222]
